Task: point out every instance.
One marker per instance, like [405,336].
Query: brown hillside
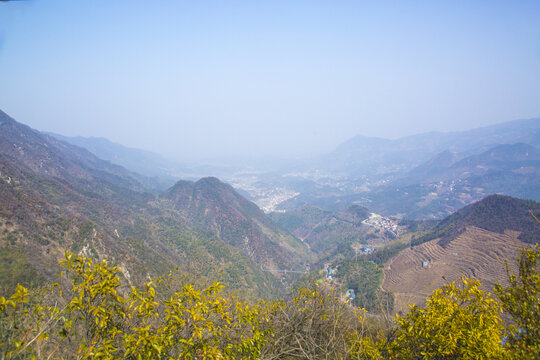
[474,253]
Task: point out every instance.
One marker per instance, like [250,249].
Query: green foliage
[365,278]
[11,239]
[384,254]
[15,269]
[25,321]
[521,299]
[459,322]
[10,321]
[91,314]
[153,322]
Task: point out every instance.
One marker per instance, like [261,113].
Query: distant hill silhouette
[150,164]
[365,155]
[424,176]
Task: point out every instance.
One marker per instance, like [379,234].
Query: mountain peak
[219,209]
[210,181]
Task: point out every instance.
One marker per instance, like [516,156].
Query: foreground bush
[521,300]
[458,322]
[90,315]
[313,325]
[97,322]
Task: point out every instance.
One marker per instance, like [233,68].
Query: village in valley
[382,223]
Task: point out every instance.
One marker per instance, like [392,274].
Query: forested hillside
[56,197]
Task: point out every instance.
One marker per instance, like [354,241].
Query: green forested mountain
[218,209]
[56,197]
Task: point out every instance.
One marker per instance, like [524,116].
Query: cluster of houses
[382,223]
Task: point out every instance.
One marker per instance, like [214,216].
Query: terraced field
[475,253]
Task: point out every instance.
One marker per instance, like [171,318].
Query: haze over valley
[425,176]
[269,180]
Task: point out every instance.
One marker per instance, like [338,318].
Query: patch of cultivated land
[475,253]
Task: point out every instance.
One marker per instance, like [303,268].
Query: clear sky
[193,79]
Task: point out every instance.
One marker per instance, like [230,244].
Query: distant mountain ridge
[140,161]
[424,176]
[49,157]
[449,166]
[450,181]
[362,154]
[163,171]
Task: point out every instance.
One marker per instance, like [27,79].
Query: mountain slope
[495,213]
[48,156]
[476,241]
[452,167]
[219,209]
[450,181]
[430,169]
[474,253]
[43,216]
[325,231]
[56,197]
[140,161]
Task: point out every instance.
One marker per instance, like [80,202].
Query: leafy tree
[25,324]
[521,300]
[458,322]
[98,322]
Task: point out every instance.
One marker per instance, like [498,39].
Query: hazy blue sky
[207,78]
